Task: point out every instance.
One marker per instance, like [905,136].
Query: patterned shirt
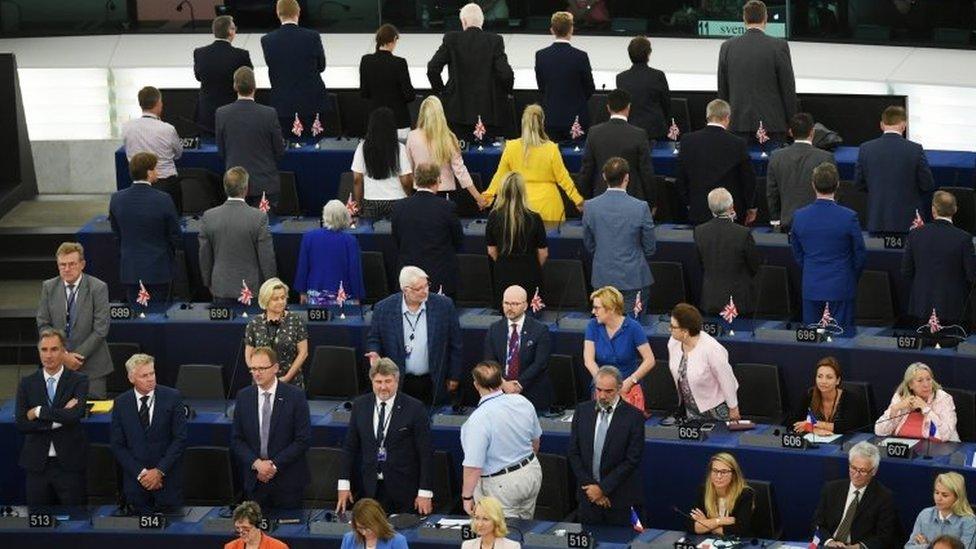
[283,337]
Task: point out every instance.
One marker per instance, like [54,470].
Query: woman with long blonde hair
[433,142]
[920,408]
[516,238]
[538,160]
[726,503]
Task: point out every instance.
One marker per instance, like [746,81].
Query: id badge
[381,454]
[408,349]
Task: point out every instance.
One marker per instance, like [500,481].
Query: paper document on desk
[820,439]
[453,523]
[910,442]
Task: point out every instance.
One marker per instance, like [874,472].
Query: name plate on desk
[898,450]
[556,425]
[221,313]
[684,545]
[120,311]
[894,241]
[691,432]
[878,342]
[660,432]
[713,329]
[152,522]
[807,335]
[327,528]
[908,342]
[793,441]
[41,520]
[190,143]
[450,420]
[761,440]
[318,314]
[571,540]
[775,334]
[449,535]
[222,525]
[126,523]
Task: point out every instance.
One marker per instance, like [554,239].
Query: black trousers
[55,485]
[270,496]
[391,505]
[171,186]
[589,513]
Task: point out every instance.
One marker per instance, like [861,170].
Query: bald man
[521,345]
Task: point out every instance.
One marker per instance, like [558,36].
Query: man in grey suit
[618,233]
[790,174]
[77,304]
[249,135]
[728,256]
[755,75]
[235,245]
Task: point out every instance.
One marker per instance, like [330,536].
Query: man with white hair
[728,256]
[479,76]
[860,512]
[420,330]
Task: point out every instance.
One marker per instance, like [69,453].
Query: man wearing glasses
[860,512]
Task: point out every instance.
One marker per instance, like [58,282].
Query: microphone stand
[233,376]
[193,17]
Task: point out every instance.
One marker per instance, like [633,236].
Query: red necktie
[513,354]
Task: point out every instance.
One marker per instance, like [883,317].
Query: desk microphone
[882,420]
[193,16]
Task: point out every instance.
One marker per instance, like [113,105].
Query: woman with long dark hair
[380,167]
[516,239]
[834,410]
[384,79]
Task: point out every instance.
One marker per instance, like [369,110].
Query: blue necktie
[51,388]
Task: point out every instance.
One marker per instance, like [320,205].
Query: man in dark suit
[389,435]
[427,231]
[713,157]
[147,229]
[77,304]
[521,345]
[728,256]
[895,174]
[50,405]
[214,66]
[270,435]
[248,135]
[790,169]
[420,330]
[606,445]
[649,92]
[755,75]
[296,60]
[860,511]
[565,79]
[617,138]
[148,439]
[939,265]
[479,76]
[829,247]
[235,244]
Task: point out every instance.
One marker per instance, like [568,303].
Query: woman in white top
[380,167]
[488,521]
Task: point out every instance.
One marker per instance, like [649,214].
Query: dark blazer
[428,234]
[479,77]
[408,450]
[443,338]
[650,99]
[939,265]
[617,137]
[385,82]
[829,248]
[789,179]
[565,80]
[729,260]
[850,415]
[214,66]
[295,59]
[755,75]
[70,440]
[709,158]
[876,524]
[249,135]
[743,512]
[895,174]
[623,450]
[147,229]
[160,447]
[290,437]
[535,346]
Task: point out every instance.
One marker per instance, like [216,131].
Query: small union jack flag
[729,312]
[317,126]
[341,296]
[296,127]
[576,130]
[917,223]
[479,129]
[638,305]
[246,294]
[537,304]
[826,319]
[673,131]
[143,297]
[934,325]
[264,205]
[351,206]
[761,134]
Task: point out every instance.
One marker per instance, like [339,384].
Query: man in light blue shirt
[500,440]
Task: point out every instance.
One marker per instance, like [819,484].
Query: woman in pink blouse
[700,367]
[919,408]
[433,142]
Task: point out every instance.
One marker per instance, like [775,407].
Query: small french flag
[815,542]
[635,521]
[811,421]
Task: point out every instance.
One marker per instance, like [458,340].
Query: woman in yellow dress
[538,160]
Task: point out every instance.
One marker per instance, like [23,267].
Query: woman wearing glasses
[700,367]
[283,331]
[247,517]
[370,529]
[726,503]
[919,408]
[488,521]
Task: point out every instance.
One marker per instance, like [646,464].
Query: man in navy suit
[148,439]
[295,59]
[895,174]
[270,435]
[50,405]
[521,345]
[939,265]
[421,331]
[606,445]
[147,228]
[214,66]
[829,247]
[565,79]
[389,435]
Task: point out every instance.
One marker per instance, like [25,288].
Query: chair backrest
[326,463]
[965,216]
[201,381]
[597,107]
[207,476]
[118,381]
[445,496]
[563,377]
[660,392]
[765,517]
[353,114]
[773,299]
[334,373]
[760,392]
[288,202]
[565,285]
[669,287]
[555,500]
[874,304]
[102,477]
[374,276]
[866,414]
[965,402]
[198,194]
[850,197]
[345,186]
[473,289]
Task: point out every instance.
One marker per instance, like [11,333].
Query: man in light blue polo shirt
[500,440]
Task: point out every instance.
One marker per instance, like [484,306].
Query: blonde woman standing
[540,163]
[516,239]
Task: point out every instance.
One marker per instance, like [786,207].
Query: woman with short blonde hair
[951,515]
[279,329]
[488,521]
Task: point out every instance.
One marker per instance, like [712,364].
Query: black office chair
[334,373]
[680,113]
[565,285]
[321,491]
[597,107]
[118,381]
[664,199]
[563,377]
[374,276]
[660,392]
[669,287]
[475,272]
[353,114]
[207,477]
[288,202]
[445,496]
[773,299]
[854,199]
[332,120]
[555,500]
[345,186]
[864,414]
[765,518]
[102,476]
[874,303]
[198,193]
[965,216]
[760,392]
[965,402]
[201,381]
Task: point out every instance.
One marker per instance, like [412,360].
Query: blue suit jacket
[534,349]
[443,338]
[565,80]
[295,59]
[619,233]
[160,447]
[940,267]
[289,439]
[147,229]
[829,247]
[895,173]
[623,449]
